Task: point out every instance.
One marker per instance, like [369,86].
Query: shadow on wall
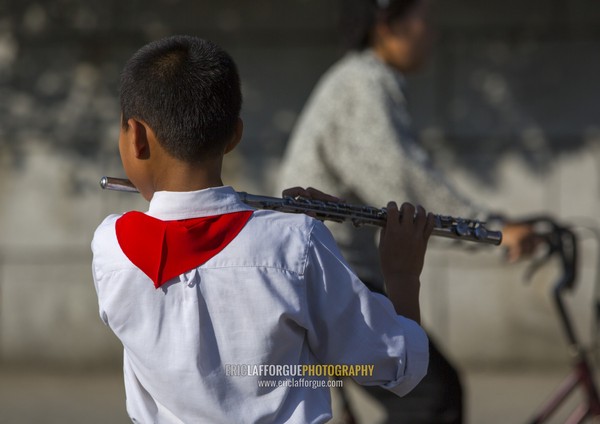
[60,65]
[534,97]
[529,91]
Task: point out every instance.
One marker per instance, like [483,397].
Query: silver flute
[445,226]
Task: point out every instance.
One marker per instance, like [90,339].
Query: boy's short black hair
[187,90]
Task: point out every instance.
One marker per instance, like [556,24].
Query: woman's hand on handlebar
[520,241]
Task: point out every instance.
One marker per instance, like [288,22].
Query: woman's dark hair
[187,90]
[358,18]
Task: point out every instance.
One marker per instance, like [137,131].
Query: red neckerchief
[166,249]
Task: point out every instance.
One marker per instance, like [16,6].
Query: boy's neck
[189,177]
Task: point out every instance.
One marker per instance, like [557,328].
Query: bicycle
[562,242]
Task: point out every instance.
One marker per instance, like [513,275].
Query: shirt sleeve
[348,324]
[101,311]
[376,155]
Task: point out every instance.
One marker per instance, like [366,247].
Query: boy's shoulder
[296,221]
[280,229]
[106,252]
[282,239]
[290,232]
[105,241]
[106,228]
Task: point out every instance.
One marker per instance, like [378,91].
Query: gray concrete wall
[509,109]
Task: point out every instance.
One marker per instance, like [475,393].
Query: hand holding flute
[402,248]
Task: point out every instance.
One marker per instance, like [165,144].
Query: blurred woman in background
[355,139]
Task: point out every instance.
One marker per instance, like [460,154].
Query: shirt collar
[174,205]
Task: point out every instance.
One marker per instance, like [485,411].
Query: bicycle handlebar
[561,241]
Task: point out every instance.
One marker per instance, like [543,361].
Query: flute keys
[463,228]
[481,233]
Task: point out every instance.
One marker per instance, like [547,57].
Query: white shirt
[279,293]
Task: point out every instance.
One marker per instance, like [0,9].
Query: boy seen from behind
[201,284]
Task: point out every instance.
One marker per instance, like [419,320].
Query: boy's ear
[237,136]
[138,138]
